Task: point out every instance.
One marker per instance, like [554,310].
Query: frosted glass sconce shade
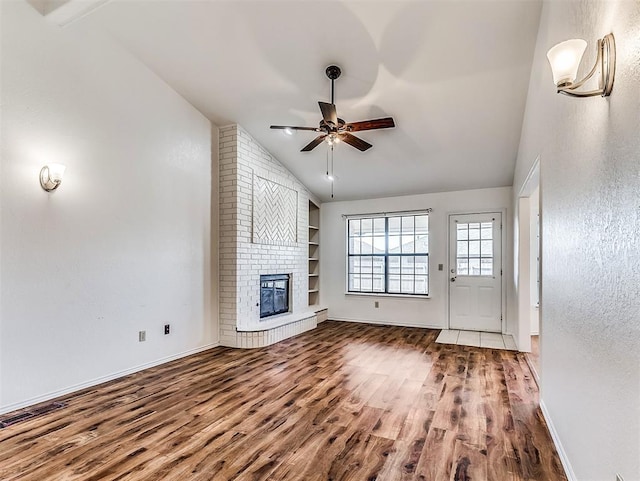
[565,59]
[51,176]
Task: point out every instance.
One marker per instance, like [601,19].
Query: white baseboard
[568,470]
[100,380]
[384,323]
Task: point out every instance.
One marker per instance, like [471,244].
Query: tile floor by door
[490,340]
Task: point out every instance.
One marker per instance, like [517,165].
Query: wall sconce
[51,176]
[565,59]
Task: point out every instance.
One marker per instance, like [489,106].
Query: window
[388,255]
[474,253]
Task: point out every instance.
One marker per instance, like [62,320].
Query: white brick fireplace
[263,231]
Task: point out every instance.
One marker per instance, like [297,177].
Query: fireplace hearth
[274,294]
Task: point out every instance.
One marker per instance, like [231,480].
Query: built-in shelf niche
[314,253]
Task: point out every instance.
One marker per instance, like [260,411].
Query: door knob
[453,279]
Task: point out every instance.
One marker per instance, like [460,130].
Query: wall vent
[30,413]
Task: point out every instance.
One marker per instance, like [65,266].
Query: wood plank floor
[342,402]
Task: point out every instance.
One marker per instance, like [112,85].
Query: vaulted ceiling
[453,74]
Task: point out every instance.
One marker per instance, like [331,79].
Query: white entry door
[475,272]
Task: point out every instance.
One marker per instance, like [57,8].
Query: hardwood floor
[342,402]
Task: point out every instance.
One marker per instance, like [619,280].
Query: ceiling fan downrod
[333,72]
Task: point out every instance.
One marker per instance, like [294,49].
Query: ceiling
[453,74]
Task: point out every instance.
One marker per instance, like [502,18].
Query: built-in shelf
[314,253]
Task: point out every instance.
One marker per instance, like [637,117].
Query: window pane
[367,283]
[486,233]
[366,245]
[394,244]
[406,284]
[486,248]
[463,267]
[463,248]
[474,231]
[378,226]
[367,227]
[474,248]
[422,224]
[394,265]
[354,227]
[421,265]
[378,264]
[408,244]
[422,244]
[354,282]
[378,283]
[354,245]
[407,225]
[379,245]
[394,283]
[354,265]
[407,265]
[422,285]
[474,267]
[486,266]
[463,231]
[366,265]
[394,225]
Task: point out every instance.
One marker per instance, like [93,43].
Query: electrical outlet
[440,267]
[376,304]
[142,336]
[167,329]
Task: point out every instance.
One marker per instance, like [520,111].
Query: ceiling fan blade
[354,141]
[314,143]
[374,124]
[284,127]
[329,112]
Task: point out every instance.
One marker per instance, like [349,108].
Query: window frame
[387,254]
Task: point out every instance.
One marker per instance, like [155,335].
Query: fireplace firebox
[274,294]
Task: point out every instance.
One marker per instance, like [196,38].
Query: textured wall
[125,243]
[590,190]
[242,260]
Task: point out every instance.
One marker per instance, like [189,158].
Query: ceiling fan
[334,129]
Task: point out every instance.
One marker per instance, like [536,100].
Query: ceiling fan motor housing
[333,72]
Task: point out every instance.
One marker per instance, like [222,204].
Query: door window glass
[474,249]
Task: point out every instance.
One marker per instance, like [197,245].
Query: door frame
[523,254]
[503,252]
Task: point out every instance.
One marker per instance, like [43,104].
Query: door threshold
[488,340]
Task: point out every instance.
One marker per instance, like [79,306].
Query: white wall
[125,243]
[590,186]
[404,311]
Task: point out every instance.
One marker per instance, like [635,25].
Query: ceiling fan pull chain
[333,178]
